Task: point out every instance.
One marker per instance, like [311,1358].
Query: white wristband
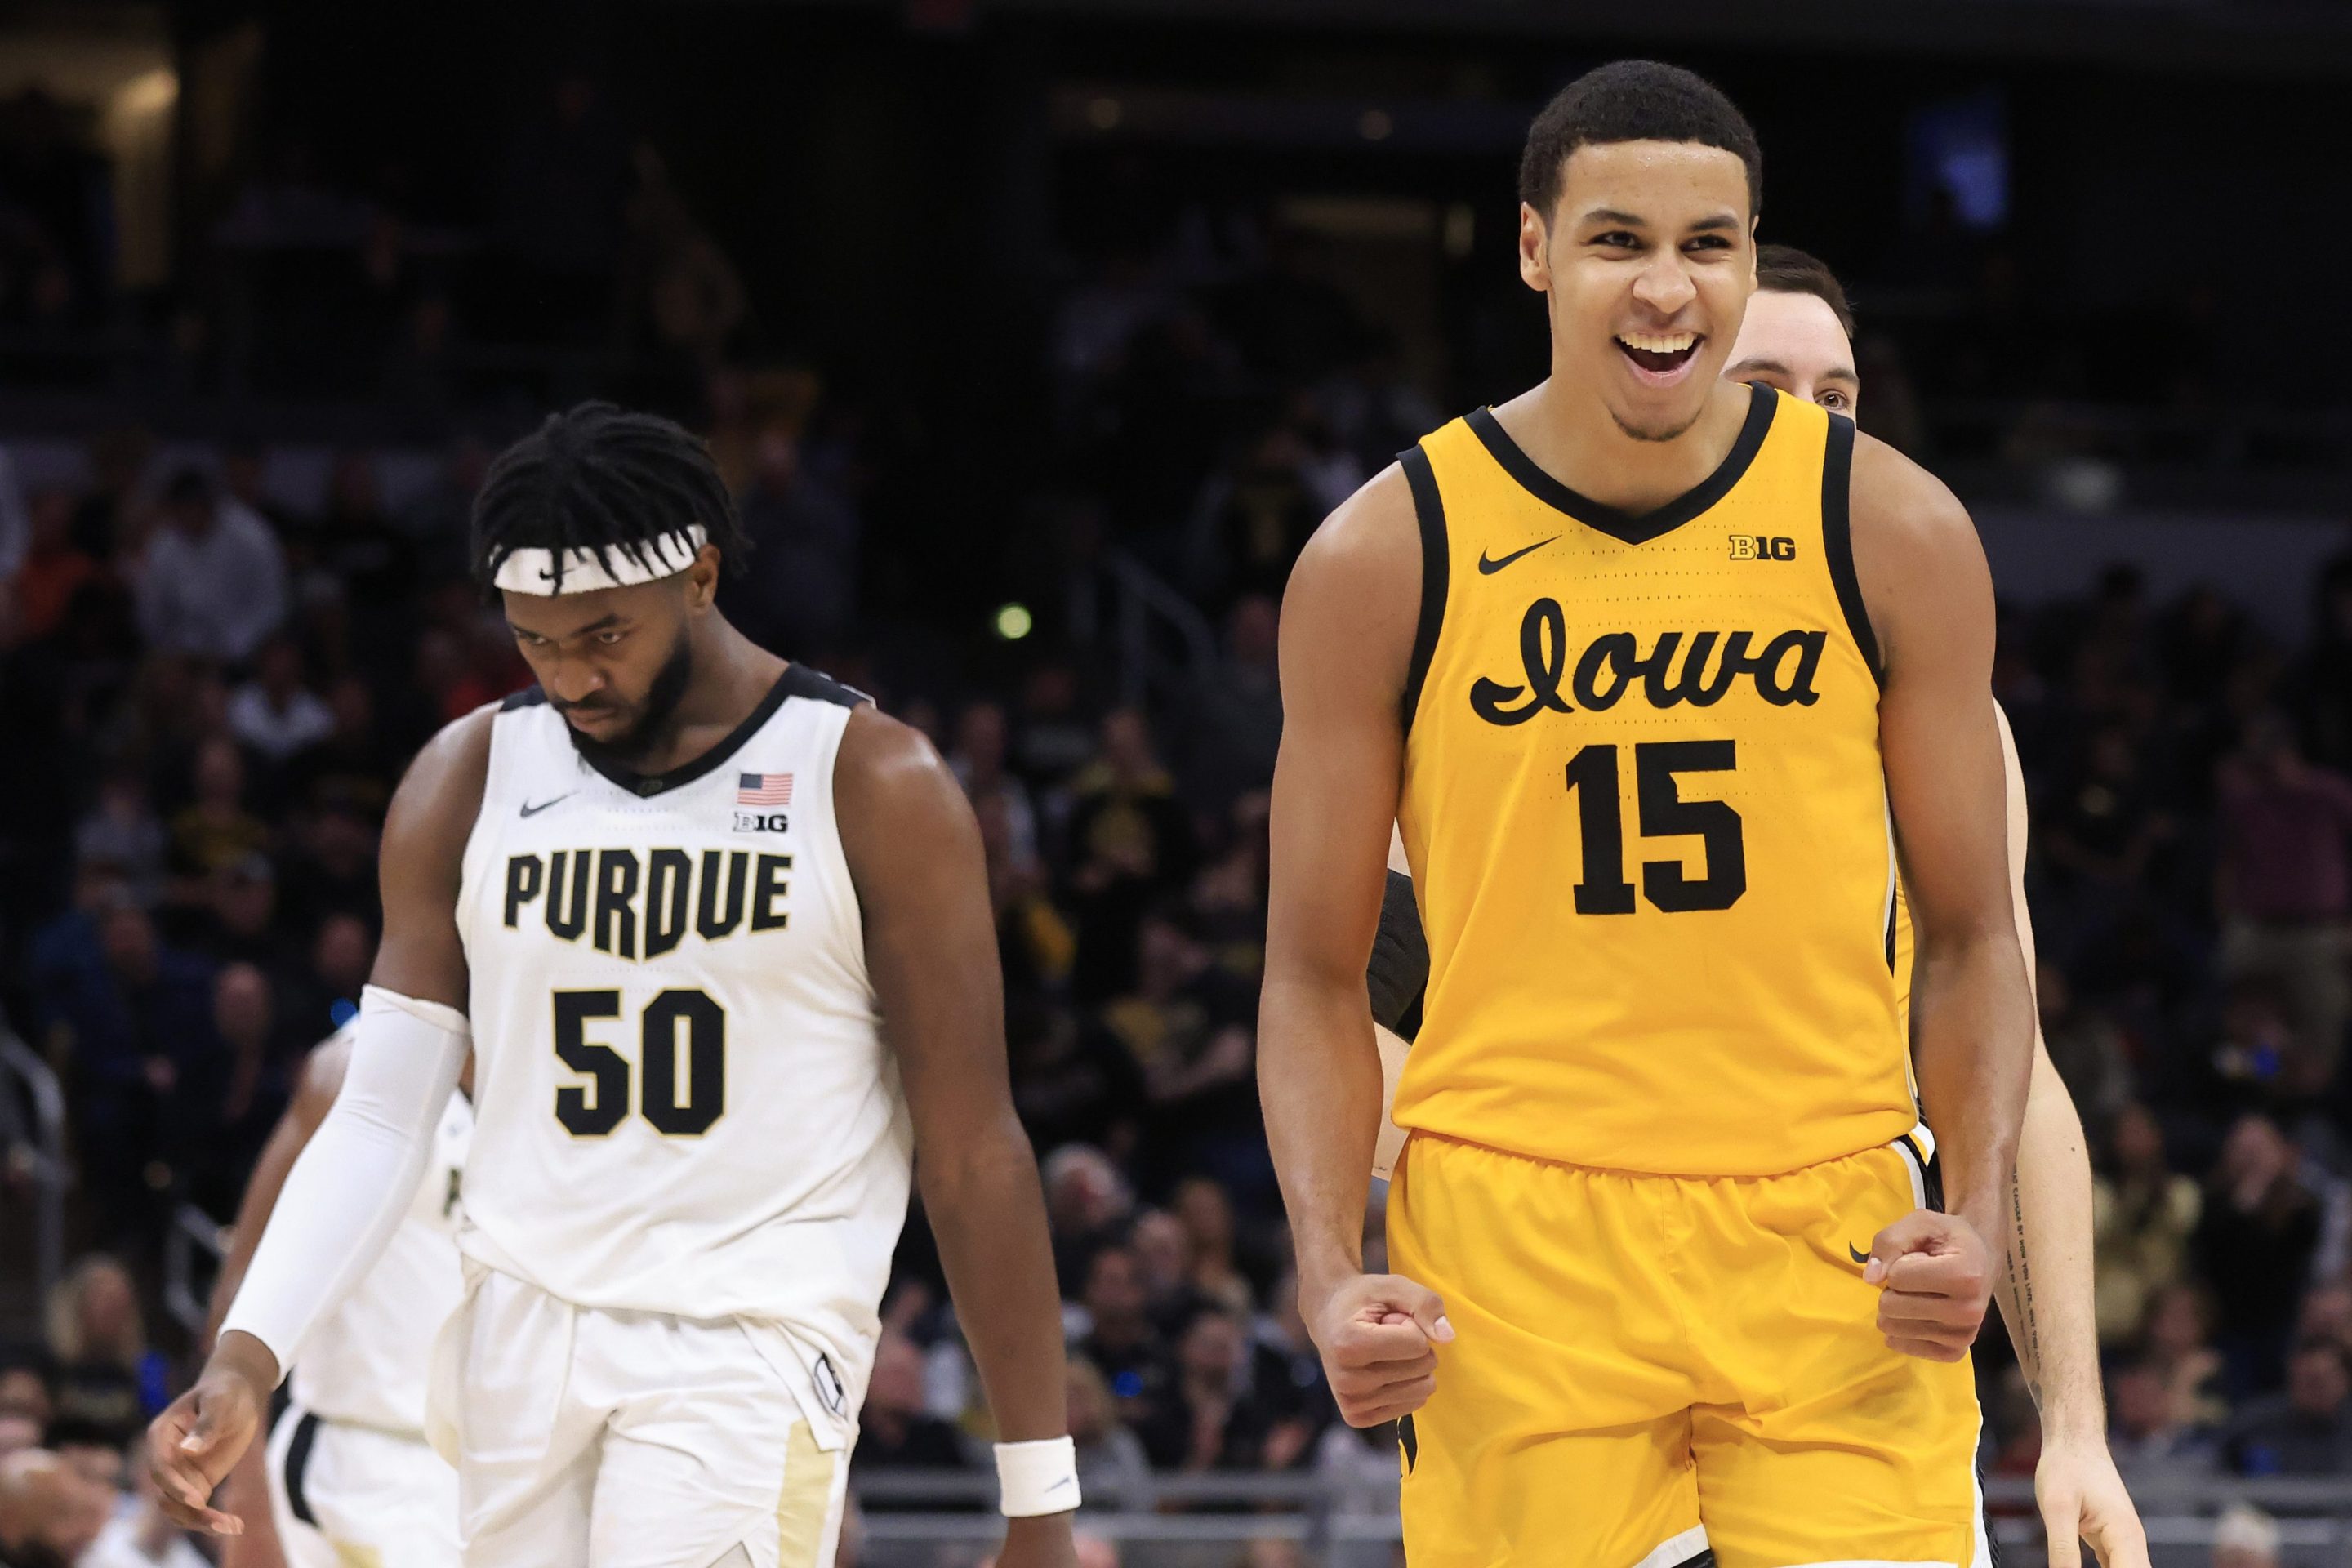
[1036,1478]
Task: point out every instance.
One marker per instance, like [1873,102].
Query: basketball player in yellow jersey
[1657,672]
[1798,337]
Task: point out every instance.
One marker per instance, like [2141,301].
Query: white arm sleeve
[346,1194]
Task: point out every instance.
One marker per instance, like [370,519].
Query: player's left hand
[2083,1499]
[1043,1541]
[1937,1277]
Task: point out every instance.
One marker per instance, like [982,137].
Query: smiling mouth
[1660,353]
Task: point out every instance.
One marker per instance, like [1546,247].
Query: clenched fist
[1378,1334]
[1937,1277]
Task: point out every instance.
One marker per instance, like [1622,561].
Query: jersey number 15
[682,1085]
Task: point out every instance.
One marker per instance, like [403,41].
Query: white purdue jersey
[684,1102]
[367,1361]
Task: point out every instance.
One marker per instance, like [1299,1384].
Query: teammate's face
[1648,259]
[1793,341]
[615,661]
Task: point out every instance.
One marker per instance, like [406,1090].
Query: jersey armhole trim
[1837,539]
[1429,512]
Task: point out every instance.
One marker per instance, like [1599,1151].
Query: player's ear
[1535,262]
[702,579]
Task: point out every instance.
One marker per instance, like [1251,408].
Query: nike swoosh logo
[530,810]
[1858,1254]
[1064,1481]
[1488,568]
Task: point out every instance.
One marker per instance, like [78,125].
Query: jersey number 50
[680,1097]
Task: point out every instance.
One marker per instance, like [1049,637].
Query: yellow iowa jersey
[1646,816]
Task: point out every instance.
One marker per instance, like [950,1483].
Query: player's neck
[732,676]
[1570,435]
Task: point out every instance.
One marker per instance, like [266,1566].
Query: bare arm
[1924,578]
[1347,623]
[914,851]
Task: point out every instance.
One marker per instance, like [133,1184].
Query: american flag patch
[763,789]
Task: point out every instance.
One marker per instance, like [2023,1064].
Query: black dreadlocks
[602,478]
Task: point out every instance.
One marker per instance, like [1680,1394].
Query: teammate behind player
[1798,336]
[717,933]
[1644,663]
[348,1475]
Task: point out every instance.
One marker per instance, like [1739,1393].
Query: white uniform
[693,1160]
[352,1479]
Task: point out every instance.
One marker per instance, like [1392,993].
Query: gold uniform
[1659,1102]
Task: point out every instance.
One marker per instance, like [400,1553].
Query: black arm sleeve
[1399,971]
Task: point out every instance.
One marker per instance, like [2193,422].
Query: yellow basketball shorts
[1647,1368]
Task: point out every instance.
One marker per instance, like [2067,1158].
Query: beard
[1673,433]
[39,1553]
[634,744]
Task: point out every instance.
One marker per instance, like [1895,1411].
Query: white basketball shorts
[355,1496]
[585,1439]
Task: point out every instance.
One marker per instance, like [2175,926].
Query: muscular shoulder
[1916,550]
[1354,597]
[433,811]
[894,794]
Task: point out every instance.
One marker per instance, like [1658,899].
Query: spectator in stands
[2307,1430]
[2143,1214]
[800,589]
[274,715]
[1236,712]
[331,870]
[1088,1201]
[2085,1047]
[2177,1342]
[1208,1419]
[18,1433]
[216,830]
[1113,1470]
[2245,1537]
[979,761]
[26,1390]
[2259,1227]
[213,584]
[1188,1026]
[122,831]
[48,1514]
[134,1017]
[53,567]
[141,1537]
[100,1340]
[1164,1253]
[1207,1214]
[2152,1444]
[894,1429]
[90,1452]
[2284,888]
[1121,1338]
[1287,1374]
[1132,844]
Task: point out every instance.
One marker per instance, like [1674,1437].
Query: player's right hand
[1378,1334]
[200,1436]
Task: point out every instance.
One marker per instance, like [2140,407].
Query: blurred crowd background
[1034,344]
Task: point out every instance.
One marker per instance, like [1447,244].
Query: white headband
[533,571]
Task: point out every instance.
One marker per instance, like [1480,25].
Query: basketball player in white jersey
[1798,336]
[718,935]
[348,1475]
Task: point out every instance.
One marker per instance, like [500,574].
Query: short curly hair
[1634,101]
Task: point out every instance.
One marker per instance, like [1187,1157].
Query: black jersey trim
[1428,511]
[529,696]
[1631,528]
[646,785]
[1837,540]
[800,681]
[298,1461]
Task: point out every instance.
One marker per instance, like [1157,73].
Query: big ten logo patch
[1762,547]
